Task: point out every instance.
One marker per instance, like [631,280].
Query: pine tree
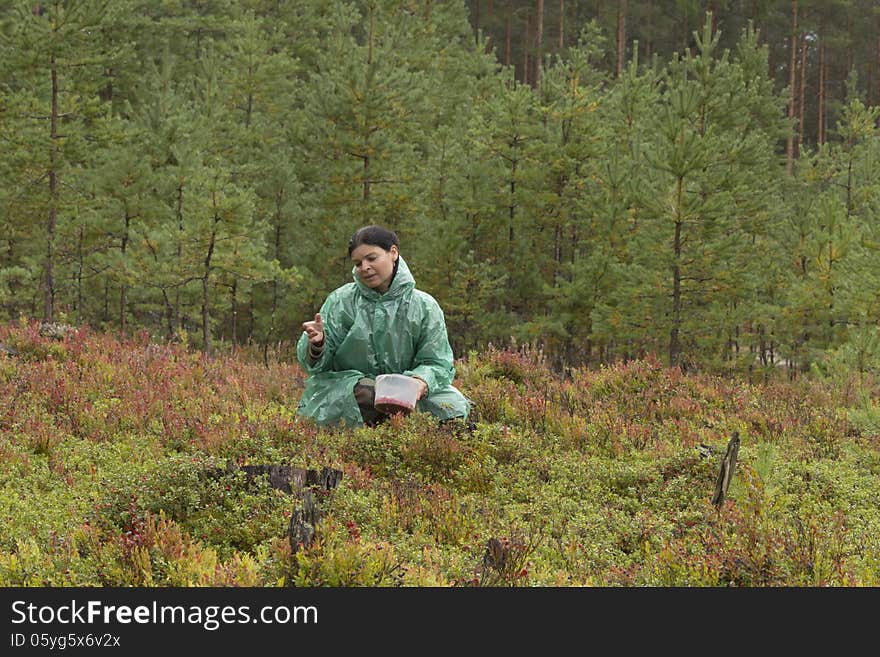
[708,171]
[564,227]
[53,62]
[833,238]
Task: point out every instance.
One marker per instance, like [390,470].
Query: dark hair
[374,236]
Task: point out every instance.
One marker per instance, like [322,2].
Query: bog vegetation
[118,468]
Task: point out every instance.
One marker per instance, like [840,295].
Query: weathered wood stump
[726,470]
[297,481]
[288,478]
[9,351]
[283,477]
[303,523]
[495,555]
[326,479]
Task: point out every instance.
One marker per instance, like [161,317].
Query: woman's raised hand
[315,330]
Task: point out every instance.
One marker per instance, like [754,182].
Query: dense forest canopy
[698,180]
[814,47]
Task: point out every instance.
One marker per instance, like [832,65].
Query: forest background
[606,180]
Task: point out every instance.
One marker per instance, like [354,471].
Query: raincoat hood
[402,283]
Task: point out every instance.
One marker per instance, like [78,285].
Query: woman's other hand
[315,330]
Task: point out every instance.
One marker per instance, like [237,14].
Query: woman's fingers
[316,324]
[423,387]
[315,329]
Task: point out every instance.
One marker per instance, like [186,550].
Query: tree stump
[495,555]
[282,477]
[303,523]
[726,470]
[298,481]
[287,478]
[326,479]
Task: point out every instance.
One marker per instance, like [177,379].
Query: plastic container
[396,393]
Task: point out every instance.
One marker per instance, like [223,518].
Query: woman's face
[374,265]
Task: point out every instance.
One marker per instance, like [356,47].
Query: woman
[379,324]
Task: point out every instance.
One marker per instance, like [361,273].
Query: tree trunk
[366,137]
[170,319]
[561,25]
[512,207]
[674,334]
[557,247]
[251,316]
[106,316]
[206,313]
[477,22]
[370,38]
[507,38]
[686,32]
[52,222]
[233,308]
[107,91]
[802,93]
[122,304]
[123,246]
[830,291]
[278,218]
[621,35]
[792,60]
[877,68]
[526,50]
[177,318]
[851,48]
[820,128]
[206,281]
[366,174]
[79,273]
[539,41]
[849,184]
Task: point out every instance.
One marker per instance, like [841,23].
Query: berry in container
[396,393]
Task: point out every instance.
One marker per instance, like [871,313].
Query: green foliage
[208,162]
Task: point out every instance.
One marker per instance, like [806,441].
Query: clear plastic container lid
[396,393]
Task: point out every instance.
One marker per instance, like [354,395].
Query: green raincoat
[367,333]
